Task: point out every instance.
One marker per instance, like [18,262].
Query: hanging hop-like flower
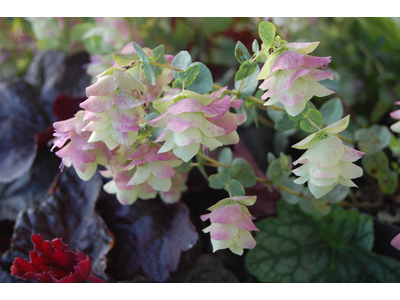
[195,121]
[292,76]
[78,152]
[178,186]
[396,242]
[327,162]
[126,194]
[396,115]
[231,224]
[152,167]
[114,108]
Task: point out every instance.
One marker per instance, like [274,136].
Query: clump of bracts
[79,152]
[53,262]
[112,131]
[191,123]
[327,161]
[396,115]
[231,223]
[292,77]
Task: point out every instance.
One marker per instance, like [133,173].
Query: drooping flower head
[190,122]
[178,186]
[127,194]
[152,167]
[396,242]
[327,162]
[396,115]
[114,108]
[84,156]
[292,76]
[231,224]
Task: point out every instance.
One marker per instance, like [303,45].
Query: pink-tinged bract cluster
[327,161]
[292,77]
[396,115]
[81,154]
[152,167]
[192,122]
[114,108]
[231,223]
[396,242]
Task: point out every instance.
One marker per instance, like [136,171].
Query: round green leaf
[373,139]
[255,46]
[389,185]
[241,52]
[249,85]
[224,157]
[181,61]
[313,116]
[218,181]
[246,174]
[285,123]
[267,31]
[235,188]
[376,164]
[331,111]
[203,82]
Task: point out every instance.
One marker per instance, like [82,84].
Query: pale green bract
[327,162]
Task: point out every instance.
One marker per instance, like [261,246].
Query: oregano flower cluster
[145,132]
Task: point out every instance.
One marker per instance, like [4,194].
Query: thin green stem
[237,93]
[215,162]
[258,54]
[251,98]
[345,139]
[259,179]
[164,66]
[240,87]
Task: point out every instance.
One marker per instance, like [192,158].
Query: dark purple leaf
[31,188]
[208,269]
[148,234]
[52,73]
[68,214]
[21,117]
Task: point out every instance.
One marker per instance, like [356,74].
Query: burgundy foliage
[68,214]
[52,262]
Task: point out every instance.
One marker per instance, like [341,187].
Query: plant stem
[164,66]
[345,139]
[215,162]
[259,179]
[96,279]
[258,54]
[251,98]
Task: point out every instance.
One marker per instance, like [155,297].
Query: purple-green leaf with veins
[149,235]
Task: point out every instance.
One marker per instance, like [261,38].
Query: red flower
[52,262]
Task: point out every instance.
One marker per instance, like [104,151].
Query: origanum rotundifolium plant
[151,114]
